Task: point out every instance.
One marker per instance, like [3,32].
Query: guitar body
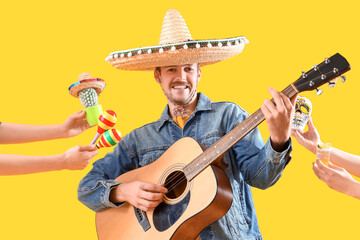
[185,211]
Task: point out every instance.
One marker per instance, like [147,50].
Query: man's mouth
[180,85]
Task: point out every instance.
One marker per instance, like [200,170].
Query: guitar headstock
[322,73]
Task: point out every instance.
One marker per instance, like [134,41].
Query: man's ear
[157,76]
[199,73]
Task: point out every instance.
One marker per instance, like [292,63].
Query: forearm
[355,190]
[17,164]
[95,193]
[270,166]
[21,133]
[346,160]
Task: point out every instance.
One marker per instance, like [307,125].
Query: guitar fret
[227,141]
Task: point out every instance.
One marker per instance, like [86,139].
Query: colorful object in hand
[109,138]
[106,121]
[88,89]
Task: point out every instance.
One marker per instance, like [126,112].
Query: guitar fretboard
[226,142]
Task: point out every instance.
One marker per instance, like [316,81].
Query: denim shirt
[250,163]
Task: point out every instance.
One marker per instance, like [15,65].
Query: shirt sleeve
[258,163]
[94,189]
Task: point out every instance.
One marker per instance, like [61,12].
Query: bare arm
[346,160]
[73,159]
[337,178]
[21,133]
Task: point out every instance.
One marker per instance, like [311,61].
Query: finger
[320,174]
[151,196]
[265,111]
[295,134]
[310,124]
[268,107]
[84,148]
[156,188]
[277,99]
[335,167]
[287,102]
[146,206]
[293,99]
[93,154]
[79,114]
[323,167]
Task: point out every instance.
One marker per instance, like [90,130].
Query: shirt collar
[204,104]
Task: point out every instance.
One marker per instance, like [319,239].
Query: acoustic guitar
[199,192]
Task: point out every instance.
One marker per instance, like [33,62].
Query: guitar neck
[226,142]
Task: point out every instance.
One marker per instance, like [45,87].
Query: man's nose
[181,74]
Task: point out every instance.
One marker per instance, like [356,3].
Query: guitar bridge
[142,218]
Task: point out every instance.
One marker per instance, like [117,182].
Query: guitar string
[221,144]
[179,180]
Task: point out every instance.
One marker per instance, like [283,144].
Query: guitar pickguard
[166,215]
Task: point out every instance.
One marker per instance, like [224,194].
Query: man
[177,64]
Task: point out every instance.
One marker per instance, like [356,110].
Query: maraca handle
[95,138]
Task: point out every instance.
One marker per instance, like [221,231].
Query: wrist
[62,161]
[279,145]
[63,133]
[115,195]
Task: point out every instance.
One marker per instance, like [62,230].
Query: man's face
[179,82]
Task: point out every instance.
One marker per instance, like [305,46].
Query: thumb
[79,114]
[310,124]
[84,148]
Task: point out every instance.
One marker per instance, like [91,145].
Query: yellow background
[46,44]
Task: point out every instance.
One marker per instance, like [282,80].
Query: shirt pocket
[151,155]
[210,138]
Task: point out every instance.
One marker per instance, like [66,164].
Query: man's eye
[188,69]
[171,70]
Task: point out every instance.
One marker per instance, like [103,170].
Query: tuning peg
[332,83]
[304,74]
[343,78]
[327,60]
[315,67]
[319,91]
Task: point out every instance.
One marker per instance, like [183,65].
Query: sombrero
[176,47]
[86,81]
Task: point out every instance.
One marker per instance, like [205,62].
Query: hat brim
[96,83]
[204,52]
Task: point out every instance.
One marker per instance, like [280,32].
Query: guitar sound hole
[176,184]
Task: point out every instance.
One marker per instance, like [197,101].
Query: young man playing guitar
[248,162]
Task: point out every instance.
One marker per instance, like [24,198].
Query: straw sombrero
[86,81]
[176,47]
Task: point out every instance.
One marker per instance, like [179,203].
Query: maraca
[109,138]
[106,121]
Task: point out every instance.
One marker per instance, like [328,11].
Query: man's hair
[159,68]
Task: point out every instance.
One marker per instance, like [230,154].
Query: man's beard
[184,102]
